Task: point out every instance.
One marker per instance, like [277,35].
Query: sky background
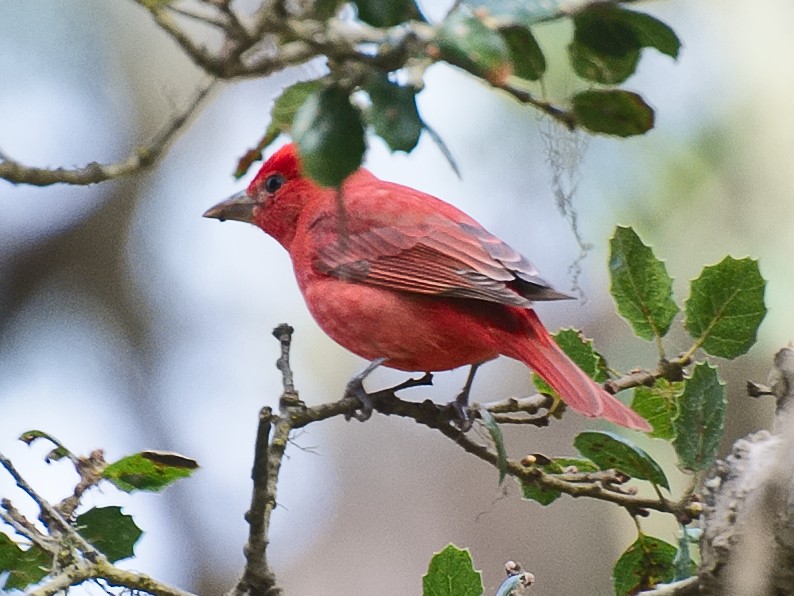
[128,322]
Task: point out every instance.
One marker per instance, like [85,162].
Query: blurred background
[128,322]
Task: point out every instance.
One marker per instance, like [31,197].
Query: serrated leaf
[329,134]
[546,496]
[525,53]
[659,406]
[613,112]
[451,573]
[647,562]
[465,41]
[393,114]
[112,532]
[701,418]
[640,285]
[149,470]
[499,442]
[281,116]
[726,306]
[609,451]
[579,349]
[24,566]
[386,14]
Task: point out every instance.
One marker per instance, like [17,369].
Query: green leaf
[451,573]
[499,442]
[516,12]
[579,349]
[330,136]
[611,451]
[640,285]
[25,567]
[149,470]
[393,114]
[281,116]
[683,564]
[608,39]
[701,418]
[525,53]
[386,14]
[647,562]
[604,49]
[613,112]
[651,32]
[659,406]
[726,307]
[112,532]
[465,41]
[546,496]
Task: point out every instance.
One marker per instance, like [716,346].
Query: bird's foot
[460,407]
[461,413]
[355,388]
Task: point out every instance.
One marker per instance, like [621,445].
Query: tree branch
[143,157]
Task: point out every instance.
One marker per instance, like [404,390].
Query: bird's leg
[355,388]
[461,404]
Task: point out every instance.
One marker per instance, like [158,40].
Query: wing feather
[439,257]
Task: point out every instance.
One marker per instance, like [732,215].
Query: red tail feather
[542,354]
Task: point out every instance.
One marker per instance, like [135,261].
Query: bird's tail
[542,354]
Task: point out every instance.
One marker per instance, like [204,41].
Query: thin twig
[141,158]
[51,515]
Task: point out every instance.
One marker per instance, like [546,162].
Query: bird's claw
[355,389]
[461,413]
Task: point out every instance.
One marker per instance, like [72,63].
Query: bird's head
[274,199]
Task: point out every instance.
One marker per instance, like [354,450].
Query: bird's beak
[239,207]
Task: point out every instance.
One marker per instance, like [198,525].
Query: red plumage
[402,275]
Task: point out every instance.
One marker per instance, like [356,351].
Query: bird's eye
[274,182]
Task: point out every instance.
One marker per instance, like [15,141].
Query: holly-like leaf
[701,418]
[451,573]
[386,14]
[24,566]
[659,406]
[640,285]
[499,442]
[726,306]
[579,349]
[112,532]
[465,41]
[525,53]
[611,451]
[613,112]
[149,470]
[393,114]
[281,116]
[546,496]
[647,562]
[329,134]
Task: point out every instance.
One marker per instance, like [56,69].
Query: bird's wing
[436,256]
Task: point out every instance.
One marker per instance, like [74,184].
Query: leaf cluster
[491,40]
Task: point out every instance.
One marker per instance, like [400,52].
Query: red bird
[400,276]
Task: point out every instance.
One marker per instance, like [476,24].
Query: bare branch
[141,158]
[51,515]
[77,574]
